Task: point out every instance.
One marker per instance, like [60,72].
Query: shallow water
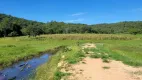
[23,70]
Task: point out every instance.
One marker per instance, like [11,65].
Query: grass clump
[75,57]
[10,46]
[83,62]
[86,50]
[105,56]
[106,67]
[106,60]
[58,75]
[100,54]
[95,56]
[138,72]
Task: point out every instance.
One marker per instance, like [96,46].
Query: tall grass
[93,36]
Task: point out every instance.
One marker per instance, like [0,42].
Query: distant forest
[12,26]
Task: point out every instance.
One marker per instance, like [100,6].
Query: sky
[74,11]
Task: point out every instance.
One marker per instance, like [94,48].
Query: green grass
[74,56]
[47,71]
[19,48]
[129,52]
[50,71]
[126,48]
[58,75]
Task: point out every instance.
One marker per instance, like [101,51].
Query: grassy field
[126,48]
[19,48]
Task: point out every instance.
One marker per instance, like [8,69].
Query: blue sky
[74,11]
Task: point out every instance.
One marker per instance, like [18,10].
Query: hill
[13,26]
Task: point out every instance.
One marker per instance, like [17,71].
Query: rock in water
[21,65]
[13,78]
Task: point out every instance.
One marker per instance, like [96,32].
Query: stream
[23,70]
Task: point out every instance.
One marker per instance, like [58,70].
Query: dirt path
[93,70]
[96,69]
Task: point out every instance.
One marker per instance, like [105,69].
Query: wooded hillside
[13,26]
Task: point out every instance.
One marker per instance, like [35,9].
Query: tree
[5,26]
[134,31]
[15,30]
[13,26]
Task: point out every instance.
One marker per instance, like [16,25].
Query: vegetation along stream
[23,69]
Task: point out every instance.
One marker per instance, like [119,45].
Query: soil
[96,69]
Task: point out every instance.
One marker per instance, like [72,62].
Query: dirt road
[96,69]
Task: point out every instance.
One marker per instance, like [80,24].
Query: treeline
[13,26]
[126,27]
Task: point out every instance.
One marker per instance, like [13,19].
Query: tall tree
[5,26]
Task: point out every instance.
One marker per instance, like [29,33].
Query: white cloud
[78,14]
[75,20]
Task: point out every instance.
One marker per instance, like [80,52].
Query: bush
[12,34]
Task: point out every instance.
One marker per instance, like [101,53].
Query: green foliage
[12,26]
[75,57]
[95,56]
[134,31]
[106,60]
[59,75]
[12,34]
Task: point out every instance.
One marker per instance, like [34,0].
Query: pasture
[123,47]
